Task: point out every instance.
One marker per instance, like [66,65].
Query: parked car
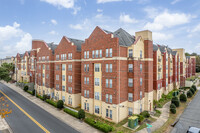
[193,130]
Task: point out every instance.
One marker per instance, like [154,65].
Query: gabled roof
[52,46]
[125,39]
[162,48]
[155,47]
[174,52]
[76,42]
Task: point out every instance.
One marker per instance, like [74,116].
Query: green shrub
[183,98]
[51,102]
[194,87]
[38,96]
[30,92]
[192,90]
[99,125]
[45,97]
[26,88]
[75,114]
[172,105]
[189,94]
[173,110]
[140,118]
[60,104]
[33,92]
[158,111]
[81,114]
[159,105]
[145,114]
[175,101]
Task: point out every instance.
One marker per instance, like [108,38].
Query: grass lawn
[172,117]
[158,113]
[191,78]
[144,124]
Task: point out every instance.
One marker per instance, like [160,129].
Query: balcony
[159,60]
[159,69]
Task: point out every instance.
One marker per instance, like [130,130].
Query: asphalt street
[190,117]
[21,123]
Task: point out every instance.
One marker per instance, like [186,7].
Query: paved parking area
[190,117]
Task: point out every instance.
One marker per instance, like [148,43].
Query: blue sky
[175,23]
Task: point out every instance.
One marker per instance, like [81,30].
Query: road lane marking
[45,130]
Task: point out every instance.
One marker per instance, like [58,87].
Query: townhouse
[116,73]
[111,74]
[67,72]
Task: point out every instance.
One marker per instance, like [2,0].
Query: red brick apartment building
[67,71]
[116,73]
[165,76]
[45,67]
[112,74]
[23,67]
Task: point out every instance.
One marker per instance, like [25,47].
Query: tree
[4,111]
[60,104]
[81,114]
[6,70]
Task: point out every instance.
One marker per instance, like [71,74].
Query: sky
[175,23]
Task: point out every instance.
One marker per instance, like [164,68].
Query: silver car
[193,130]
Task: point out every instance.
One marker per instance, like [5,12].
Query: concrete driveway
[190,117]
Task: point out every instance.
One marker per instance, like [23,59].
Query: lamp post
[35,76]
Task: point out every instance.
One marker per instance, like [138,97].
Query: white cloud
[53,21]
[175,1]
[68,4]
[43,22]
[9,32]
[14,40]
[196,28]
[125,18]
[157,36]
[25,43]
[151,12]
[76,26]
[166,19]
[106,1]
[61,3]
[76,9]
[53,32]
[99,10]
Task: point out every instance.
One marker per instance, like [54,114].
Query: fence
[21,85]
[190,83]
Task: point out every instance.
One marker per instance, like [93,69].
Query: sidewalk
[4,127]
[66,118]
[160,121]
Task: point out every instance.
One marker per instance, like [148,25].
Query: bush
[189,94]
[173,110]
[145,114]
[30,92]
[172,105]
[38,96]
[175,101]
[33,92]
[60,104]
[26,88]
[81,114]
[99,125]
[51,102]
[183,98]
[140,118]
[45,97]
[73,113]
[192,90]
[159,105]
[194,87]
